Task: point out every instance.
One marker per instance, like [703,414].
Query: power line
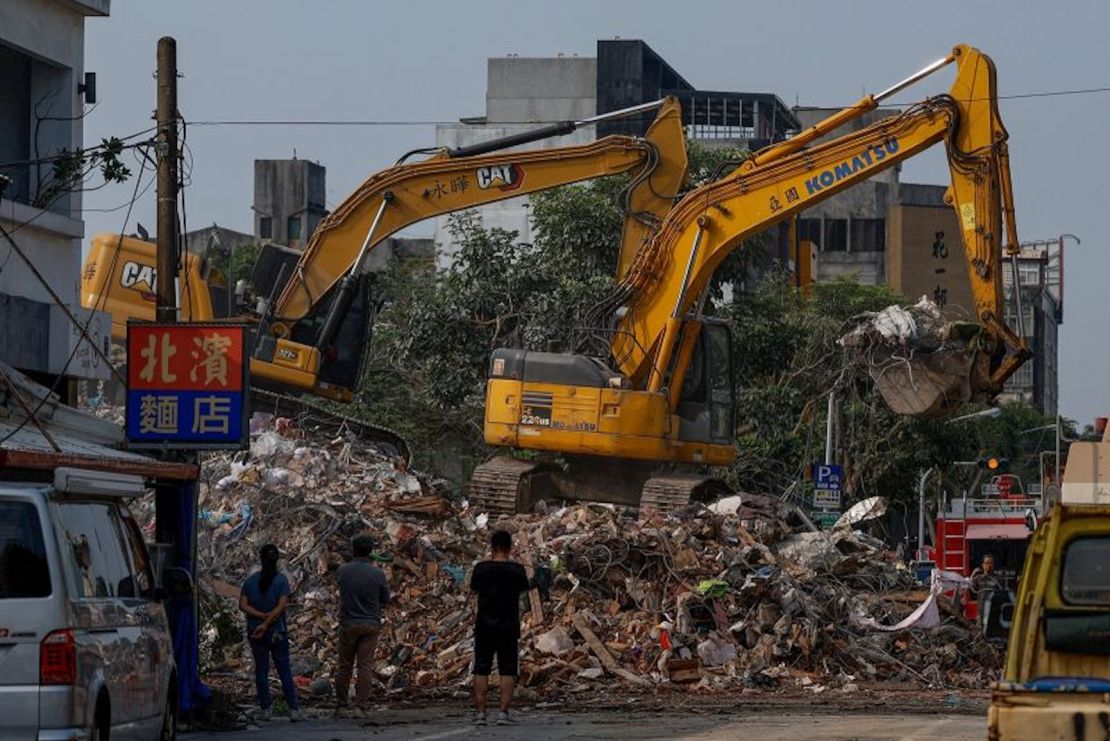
[183,226]
[436,122]
[321,122]
[64,155]
[142,161]
[1020,96]
[1050,93]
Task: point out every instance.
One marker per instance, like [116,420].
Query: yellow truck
[1056,682]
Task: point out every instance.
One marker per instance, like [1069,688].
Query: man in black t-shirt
[499,583]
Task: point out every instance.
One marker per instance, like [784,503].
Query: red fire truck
[995,523]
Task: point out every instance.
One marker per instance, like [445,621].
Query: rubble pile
[711,600]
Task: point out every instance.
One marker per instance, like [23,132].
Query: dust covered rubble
[701,601]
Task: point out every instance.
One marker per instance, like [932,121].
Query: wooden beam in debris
[533,594]
[581,624]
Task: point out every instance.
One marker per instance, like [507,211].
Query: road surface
[763,724]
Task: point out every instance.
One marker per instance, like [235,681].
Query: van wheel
[169,717]
[101,719]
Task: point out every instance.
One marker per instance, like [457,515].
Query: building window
[1030,320]
[1022,378]
[836,235]
[15,123]
[36,122]
[294,227]
[1029,275]
[265,227]
[868,235]
[810,230]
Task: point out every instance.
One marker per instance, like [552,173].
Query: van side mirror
[1030,520]
[176,582]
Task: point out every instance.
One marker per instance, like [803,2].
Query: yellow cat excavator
[311,338]
[624,426]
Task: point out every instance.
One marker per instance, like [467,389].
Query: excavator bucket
[930,385]
[922,364]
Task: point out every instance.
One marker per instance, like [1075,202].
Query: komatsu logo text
[862,161]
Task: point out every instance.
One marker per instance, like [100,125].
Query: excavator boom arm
[407,193]
[675,268]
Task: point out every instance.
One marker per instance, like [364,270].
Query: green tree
[237,263]
[787,362]
[70,170]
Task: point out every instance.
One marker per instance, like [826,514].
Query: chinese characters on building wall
[925,257]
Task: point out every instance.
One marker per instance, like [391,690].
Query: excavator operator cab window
[341,364]
[695,385]
[706,409]
[716,341]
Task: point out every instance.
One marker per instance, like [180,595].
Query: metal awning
[26,448]
[58,435]
[997,531]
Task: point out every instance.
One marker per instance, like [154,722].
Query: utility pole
[166,115]
[830,427]
[1059,485]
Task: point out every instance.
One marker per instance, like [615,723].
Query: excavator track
[505,486]
[674,492]
[502,486]
[294,407]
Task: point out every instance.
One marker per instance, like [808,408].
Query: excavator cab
[706,408]
[294,357]
[613,441]
[341,358]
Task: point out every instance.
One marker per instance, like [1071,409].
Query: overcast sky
[426,61]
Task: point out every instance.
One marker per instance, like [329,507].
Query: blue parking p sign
[826,486]
[826,477]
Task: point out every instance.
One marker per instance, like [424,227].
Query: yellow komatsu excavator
[311,337]
[663,399]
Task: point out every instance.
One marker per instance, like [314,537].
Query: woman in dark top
[264,598]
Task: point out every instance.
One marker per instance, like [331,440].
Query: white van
[85,648]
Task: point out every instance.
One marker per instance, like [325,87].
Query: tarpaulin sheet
[947,580]
[927,615]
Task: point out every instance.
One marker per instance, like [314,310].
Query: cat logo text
[502,177]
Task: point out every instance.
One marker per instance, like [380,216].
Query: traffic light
[993,464]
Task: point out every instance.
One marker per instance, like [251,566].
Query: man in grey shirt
[362,594]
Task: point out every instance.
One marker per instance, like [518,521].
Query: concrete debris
[716,651]
[555,641]
[727,505]
[700,601]
[893,324]
[862,511]
[925,616]
[920,325]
